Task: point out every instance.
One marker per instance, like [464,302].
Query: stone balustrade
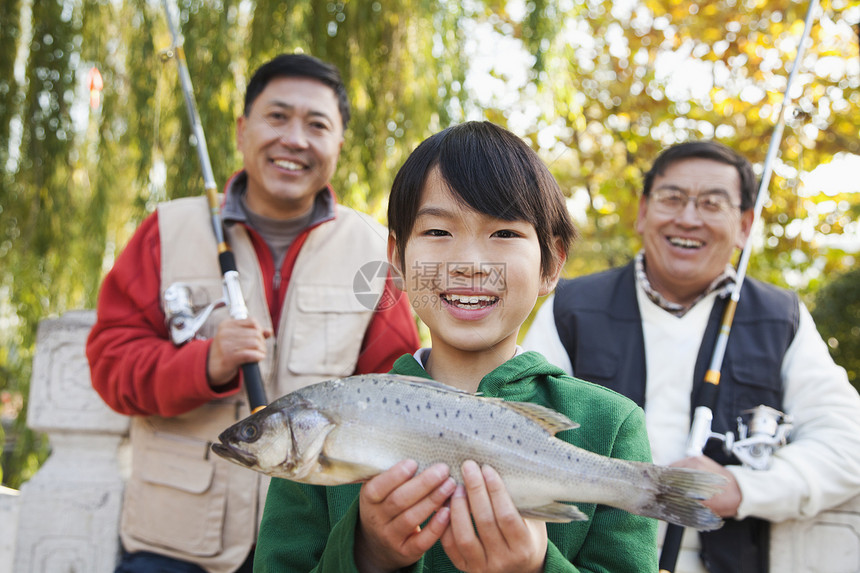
[68,513]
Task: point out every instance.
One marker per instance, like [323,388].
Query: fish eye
[249,432]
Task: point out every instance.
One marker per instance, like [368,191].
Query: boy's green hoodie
[312,528]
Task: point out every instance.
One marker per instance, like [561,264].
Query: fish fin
[415,380]
[436,385]
[678,494]
[548,419]
[554,512]
[340,471]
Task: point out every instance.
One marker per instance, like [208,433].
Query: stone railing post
[9,506]
[69,511]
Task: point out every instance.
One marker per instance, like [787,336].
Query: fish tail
[677,497]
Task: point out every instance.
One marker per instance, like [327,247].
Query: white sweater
[818,469]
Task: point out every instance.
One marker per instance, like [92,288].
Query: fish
[347,430]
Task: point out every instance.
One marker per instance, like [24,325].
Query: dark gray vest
[598,322]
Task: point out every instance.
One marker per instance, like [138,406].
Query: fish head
[283,440]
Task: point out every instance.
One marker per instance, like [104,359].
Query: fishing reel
[182,323]
[766,430]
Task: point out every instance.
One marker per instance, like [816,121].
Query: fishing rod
[230,275]
[700,428]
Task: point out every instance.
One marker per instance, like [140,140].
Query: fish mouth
[234,454]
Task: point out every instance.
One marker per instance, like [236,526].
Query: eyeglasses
[715,205]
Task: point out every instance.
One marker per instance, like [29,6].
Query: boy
[478,230]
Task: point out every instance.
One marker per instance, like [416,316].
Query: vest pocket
[176,498]
[328,330]
[757,381]
[597,365]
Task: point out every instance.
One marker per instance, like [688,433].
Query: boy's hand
[392,507]
[505,542]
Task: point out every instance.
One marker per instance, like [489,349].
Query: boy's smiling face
[472,278]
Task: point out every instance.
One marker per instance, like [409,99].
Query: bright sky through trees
[498,76]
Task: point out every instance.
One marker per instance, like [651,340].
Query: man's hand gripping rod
[232,289]
[703,415]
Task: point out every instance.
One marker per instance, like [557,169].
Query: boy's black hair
[492,171]
[298,66]
[706,150]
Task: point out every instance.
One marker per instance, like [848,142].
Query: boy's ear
[548,282]
[394,263]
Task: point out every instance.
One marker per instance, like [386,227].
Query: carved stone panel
[61,396]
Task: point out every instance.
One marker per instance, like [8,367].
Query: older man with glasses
[647,330]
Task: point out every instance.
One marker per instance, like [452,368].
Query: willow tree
[41,211]
[78,179]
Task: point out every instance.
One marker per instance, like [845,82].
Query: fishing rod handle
[700,431]
[671,548]
[254,386]
[238,310]
[233,292]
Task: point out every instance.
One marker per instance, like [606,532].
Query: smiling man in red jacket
[300,256]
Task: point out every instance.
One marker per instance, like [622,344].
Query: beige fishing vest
[181,499]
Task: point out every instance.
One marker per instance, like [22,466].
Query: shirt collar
[423,354]
[237,186]
[722,285]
